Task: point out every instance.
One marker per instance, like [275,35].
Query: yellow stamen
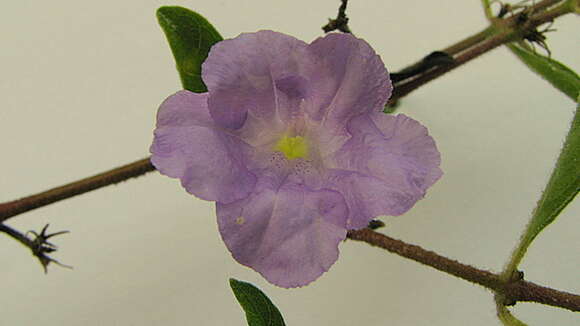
[292,147]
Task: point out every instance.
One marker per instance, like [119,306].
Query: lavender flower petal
[291,143]
[348,78]
[289,235]
[209,162]
[242,74]
[385,167]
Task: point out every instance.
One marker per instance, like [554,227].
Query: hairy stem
[501,32]
[465,50]
[468,42]
[19,206]
[15,234]
[513,291]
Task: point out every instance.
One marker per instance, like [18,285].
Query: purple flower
[291,143]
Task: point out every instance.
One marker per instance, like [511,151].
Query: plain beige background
[80,84]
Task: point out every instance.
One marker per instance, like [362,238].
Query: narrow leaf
[557,74]
[260,311]
[561,189]
[564,183]
[506,317]
[190,37]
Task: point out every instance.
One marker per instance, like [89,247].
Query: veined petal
[385,167]
[368,197]
[255,76]
[291,143]
[420,157]
[347,78]
[209,163]
[184,108]
[289,235]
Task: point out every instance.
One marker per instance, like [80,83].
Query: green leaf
[561,189]
[260,311]
[557,74]
[190,37]
[564,183]
[506,317]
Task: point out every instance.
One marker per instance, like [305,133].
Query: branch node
[340,23]
[40,247]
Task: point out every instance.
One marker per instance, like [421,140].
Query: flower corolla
[291,143]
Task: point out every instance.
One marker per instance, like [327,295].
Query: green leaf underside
[190,37]
[260,311]
[507,318]
[564,182]
[561,189]
[557,74]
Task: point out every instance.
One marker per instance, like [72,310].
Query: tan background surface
[79,87]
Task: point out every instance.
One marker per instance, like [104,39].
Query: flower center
[292,147]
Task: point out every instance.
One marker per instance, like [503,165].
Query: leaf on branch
[190,37]
[563,185]
[506,317]
[260,311]
[557,74]
[561,189]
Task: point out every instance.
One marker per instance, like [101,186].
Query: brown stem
[39,246]
[15,234]
[408,86]
[341,21]
[550,15]
[517,290]
[468,42]
[545,4]
[514,291]
[511,29]
[477,44]
[19,206]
